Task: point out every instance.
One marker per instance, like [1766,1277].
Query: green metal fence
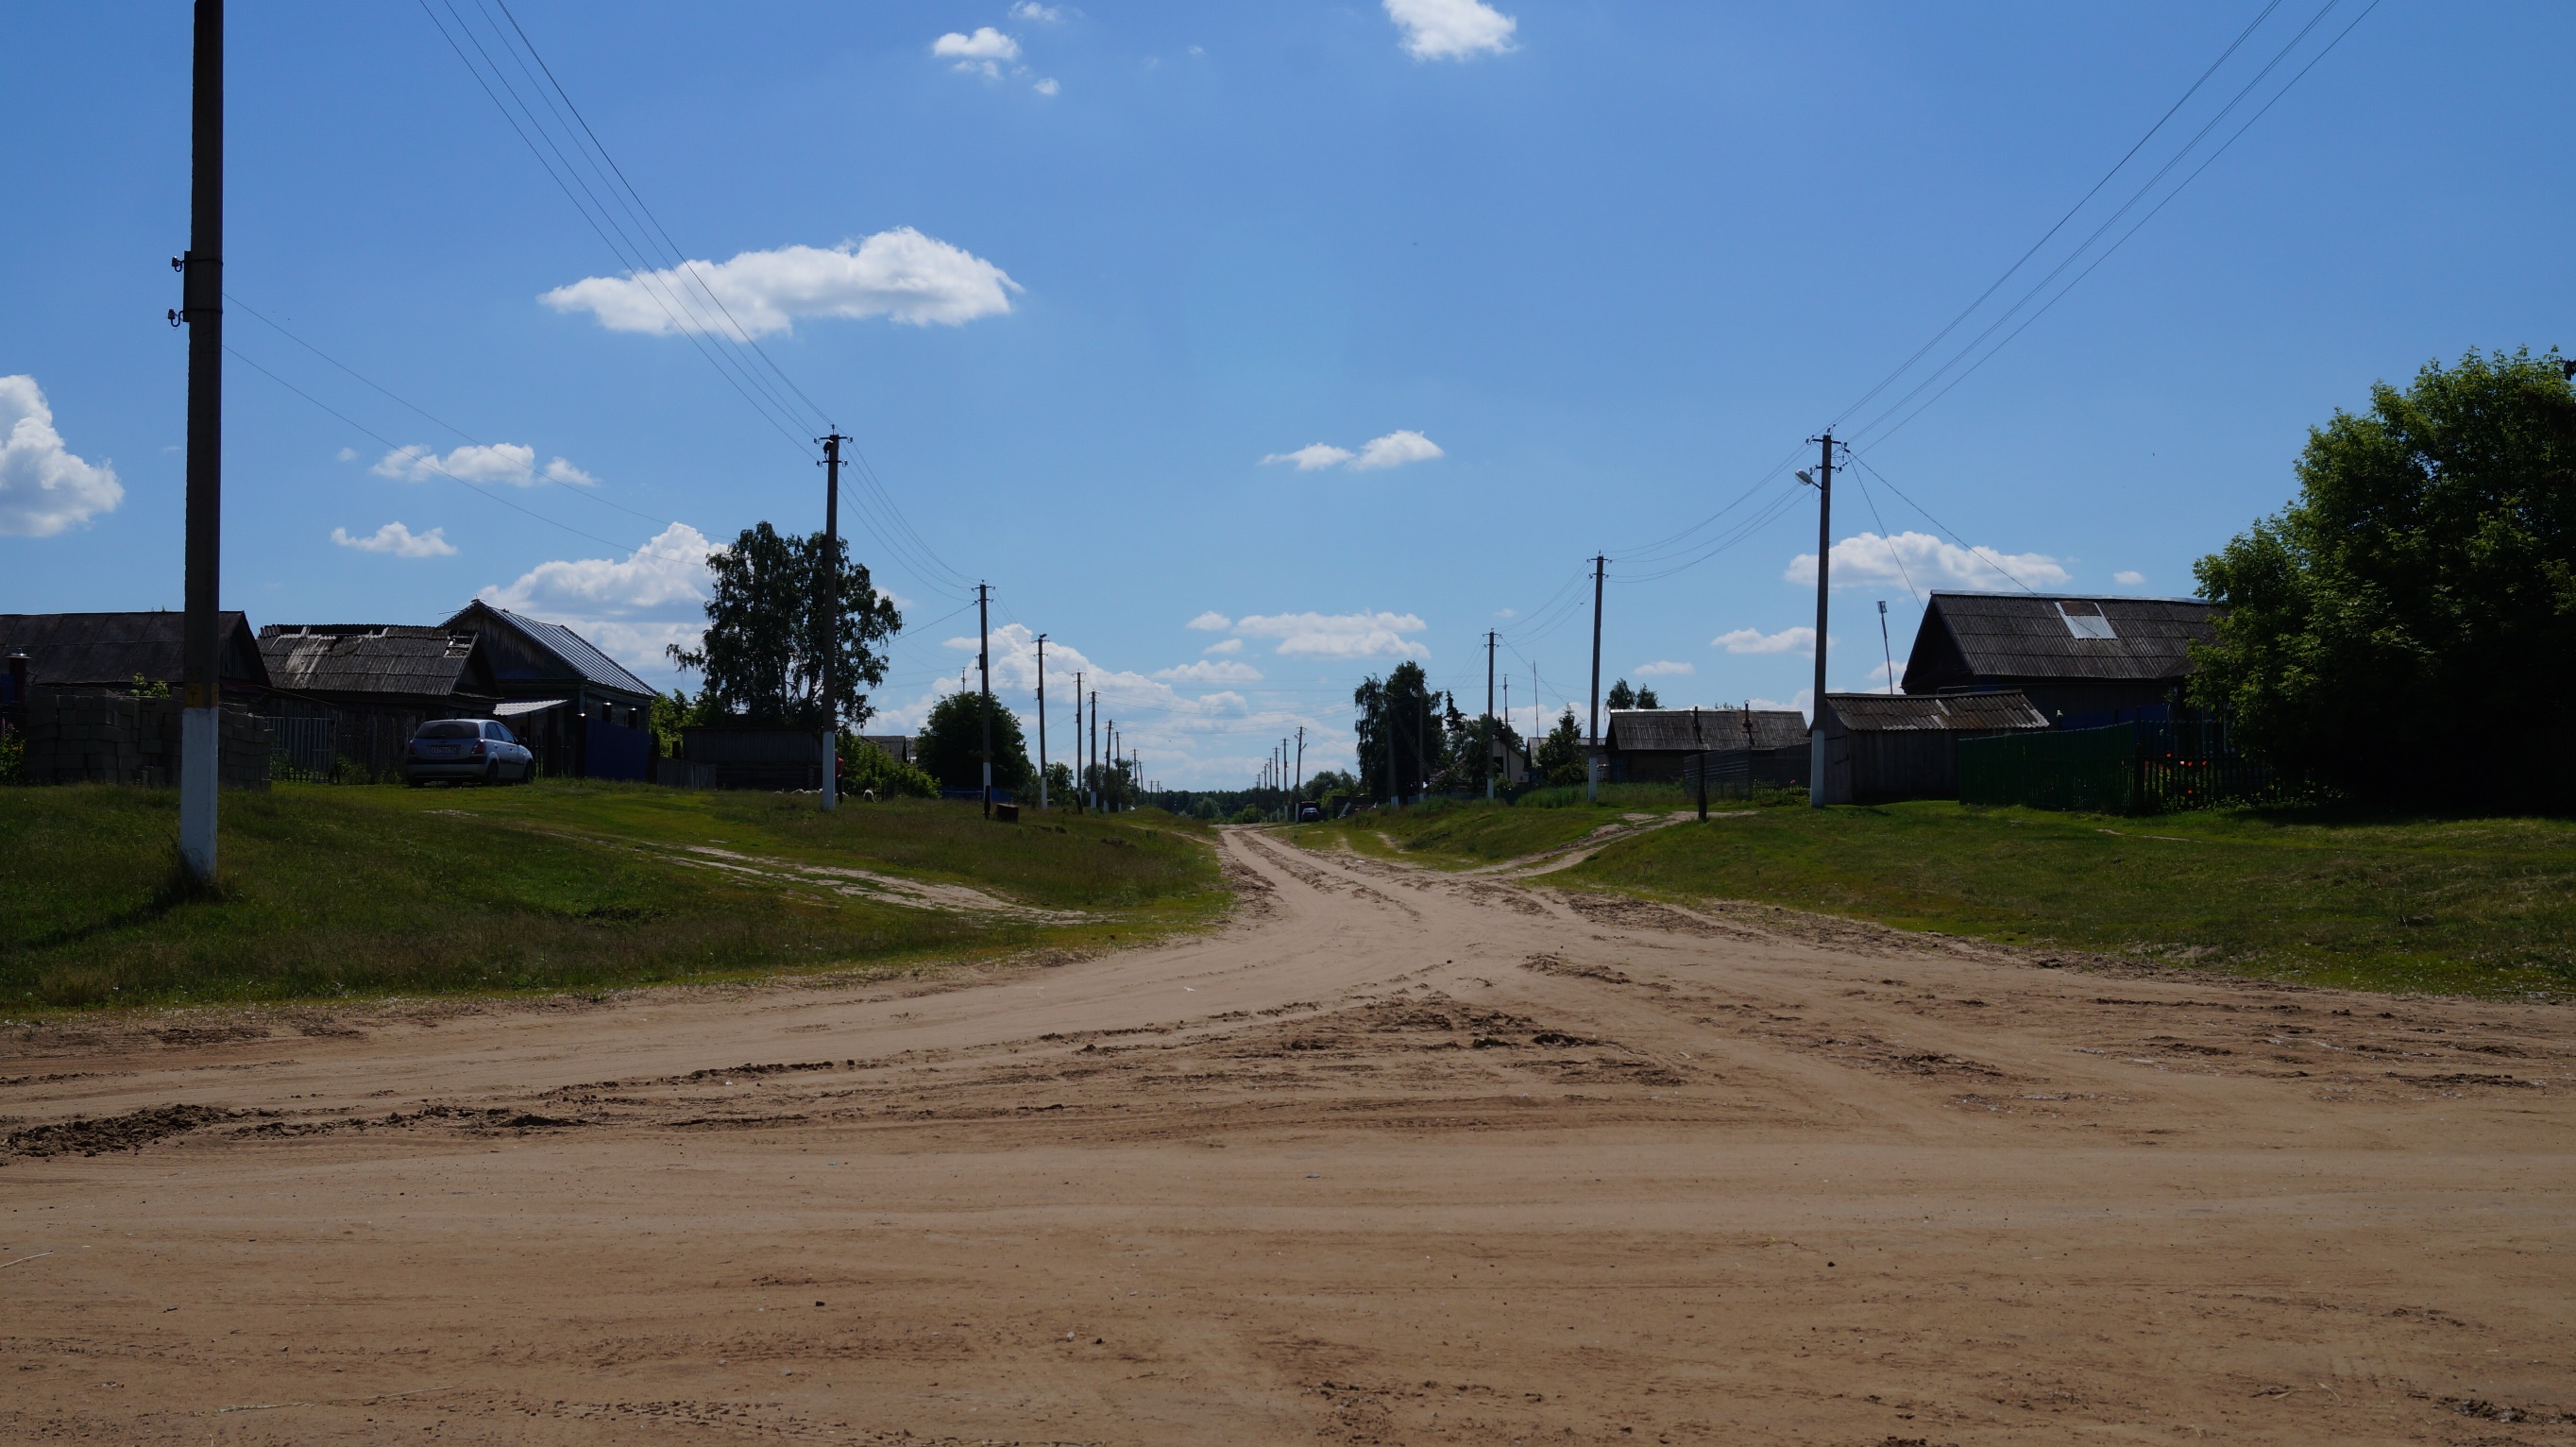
[2130,768]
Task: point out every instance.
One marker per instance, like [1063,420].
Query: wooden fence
[2128,768]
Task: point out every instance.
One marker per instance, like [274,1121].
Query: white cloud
[1338,635]
[631,608]
[1754,640]
[984,50]
[1802,701]
[1451,29]
[1223,670]
[44,488]
[1867,560]
[2128,578]
[506,462]
[1227,645]
[1312,456]
[1210,621]
[1661,667]
[900,274]
[1047,86]
[1395,449]
[398,540]
[348,454]
[1043,14]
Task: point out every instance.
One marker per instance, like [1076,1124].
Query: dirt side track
[1399,1157]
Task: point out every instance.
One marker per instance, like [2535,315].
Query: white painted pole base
[199,729]
[1816,769]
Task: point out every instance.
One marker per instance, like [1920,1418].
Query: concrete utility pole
[1491,741]
[1885,648]
[201,301]
[1297,784]
[984,664]
[1093,767]
[1386,735]
[828,589]
[1042,779]
[1823,482]
[1592,756]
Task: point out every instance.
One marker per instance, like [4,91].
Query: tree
[766,641]
[951,746]
[2381,630]
[1401,714]
[1560,754]
[1622,696]
[1646,699]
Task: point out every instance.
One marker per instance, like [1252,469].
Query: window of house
[2084,619]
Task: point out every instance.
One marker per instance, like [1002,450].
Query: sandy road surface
[1398,1158]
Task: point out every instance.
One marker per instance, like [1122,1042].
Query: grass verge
[2477,906]
[329,891]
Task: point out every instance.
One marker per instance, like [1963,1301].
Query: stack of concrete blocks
[99,736]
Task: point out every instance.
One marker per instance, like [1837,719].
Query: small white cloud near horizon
[899,274]
[1754,640]
[1662,668]
[981,53]
[44,488]
[504,462]
[631,608]
[1043,14]
[398,540]
[1866,560]
[1219,670]
[1338,635]
[1801,702]
[1210,621]
[348,454]
[2128,577]
[1395,449]
[1451,29]
[1228,645]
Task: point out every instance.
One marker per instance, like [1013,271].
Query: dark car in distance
[467,750]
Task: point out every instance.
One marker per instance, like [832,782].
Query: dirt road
[1398,1158]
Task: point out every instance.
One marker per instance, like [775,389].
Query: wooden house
[1881,747]
[112,650]
[84,718]
[358,691]
[1651,745]
[2079,661]
[581,710]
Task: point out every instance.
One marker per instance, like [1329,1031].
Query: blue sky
[1578,276]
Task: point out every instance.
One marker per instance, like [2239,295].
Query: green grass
[1465,833]
[329,892]
[2483,906]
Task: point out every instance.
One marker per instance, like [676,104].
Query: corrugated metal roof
[570,648]
[1939,712]
[111,648]
[1674,730]
[360,658]
[2045,637]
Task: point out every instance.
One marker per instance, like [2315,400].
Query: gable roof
[568,649]
[1969,638]
[374,658]
[1673,730]
[1935,713]
[111,648]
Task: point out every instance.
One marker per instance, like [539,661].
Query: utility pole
[1386,736]
[1042,779]
[1823,482]
[1592,755]
[1886,649]
[984,663]
[1093,768]
[1298,784]
[828,587]
[201,297]
[1490,740]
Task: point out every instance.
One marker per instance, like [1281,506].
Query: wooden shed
[1883,747]
[1650,745]
[2080,661]
[358,691]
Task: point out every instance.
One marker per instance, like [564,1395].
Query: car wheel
[492,773]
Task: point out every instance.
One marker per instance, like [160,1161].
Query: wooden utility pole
[1093,768]
[1824,485]
[201,301]
[1592,755]
[828,602]
[1297,784]
[1042,762]
[1491,740]
[984,665]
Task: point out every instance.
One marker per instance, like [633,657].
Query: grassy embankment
[2454,906]
[328,892]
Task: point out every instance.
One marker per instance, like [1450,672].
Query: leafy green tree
[767,637]
[1622,696]
[951,746]
[1646,699]
[2410,601]
[1401,715]
[1560,754]
[865,768]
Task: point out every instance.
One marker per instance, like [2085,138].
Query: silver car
[464,750]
